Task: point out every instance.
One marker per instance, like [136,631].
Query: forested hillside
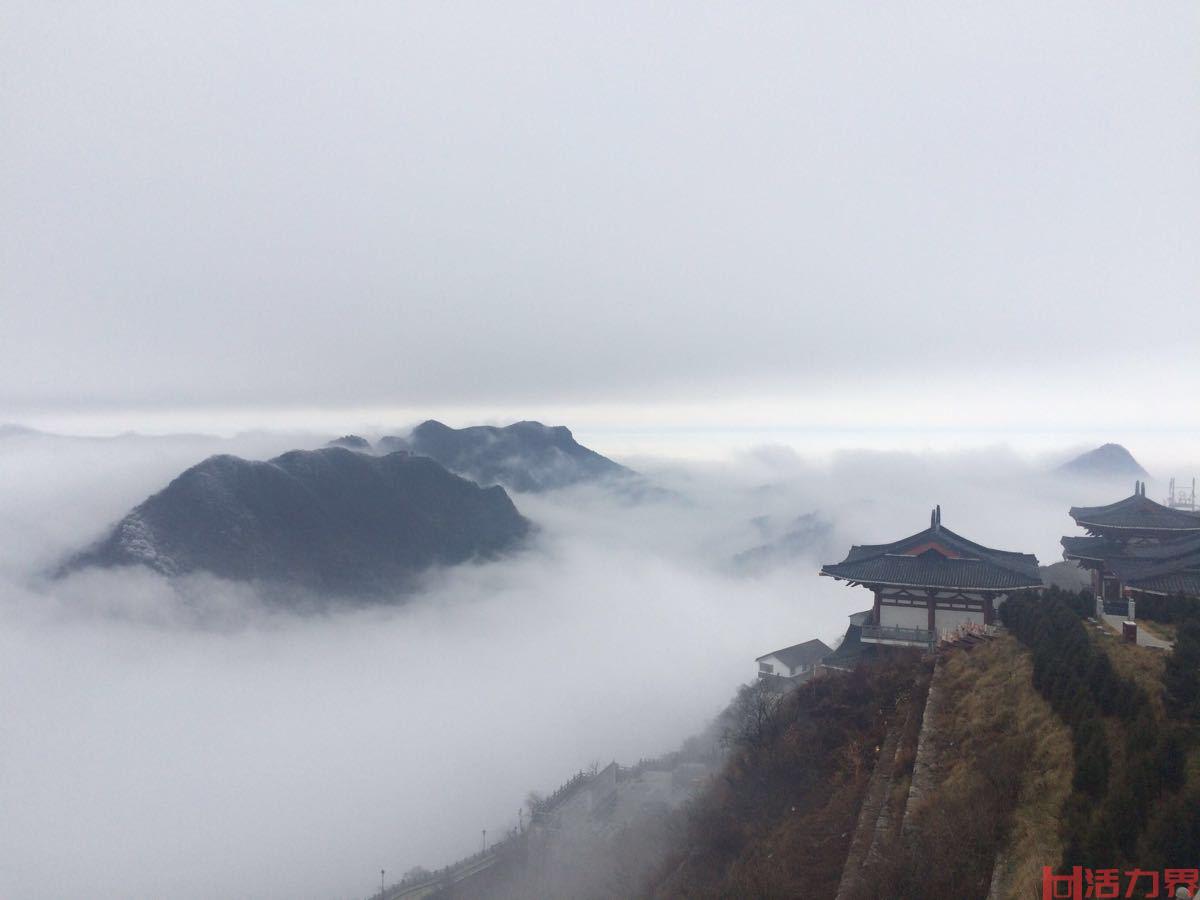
[1053,745]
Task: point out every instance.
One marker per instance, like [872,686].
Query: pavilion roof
[1102,548]
[1170,584]
[1133,571]
[1096,548]
[851,650]
[937,558]
[1136,513]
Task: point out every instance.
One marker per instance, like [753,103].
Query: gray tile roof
[800,654]
[1090,547]
[937,558]
[1170,584]
[851,650]
[1106,548]
[1134,571]
[1136,513]
[1167,564]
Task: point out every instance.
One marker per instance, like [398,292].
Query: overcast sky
[910,214]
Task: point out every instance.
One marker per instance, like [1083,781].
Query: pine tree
[1182,675]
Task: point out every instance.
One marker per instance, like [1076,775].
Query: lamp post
[381,888]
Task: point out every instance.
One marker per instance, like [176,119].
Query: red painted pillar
[989,610]
[932,617]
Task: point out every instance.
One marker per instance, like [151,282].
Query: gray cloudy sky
[776,211]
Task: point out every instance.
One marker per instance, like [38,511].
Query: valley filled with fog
[180,737]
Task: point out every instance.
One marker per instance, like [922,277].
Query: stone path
[1144,637]
[923,778]
[873,803]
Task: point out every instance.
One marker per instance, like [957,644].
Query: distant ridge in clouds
[351,442]
[525,456]
[1106,461]
[330,520]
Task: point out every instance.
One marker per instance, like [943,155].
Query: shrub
[1182,675]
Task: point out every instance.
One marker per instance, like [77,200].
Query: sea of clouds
[180,739]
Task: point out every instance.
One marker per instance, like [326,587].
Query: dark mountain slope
[329,520]
[351,442]
[1106,461]
[526,456]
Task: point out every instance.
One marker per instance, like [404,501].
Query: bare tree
[755,716]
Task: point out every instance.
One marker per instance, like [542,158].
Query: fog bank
[178,739]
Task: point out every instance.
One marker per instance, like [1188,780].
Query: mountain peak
[351,442]
[525,456]
[332,520]
[1106,461]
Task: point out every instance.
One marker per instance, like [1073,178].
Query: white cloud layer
[180,740]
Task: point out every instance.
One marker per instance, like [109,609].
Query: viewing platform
[897,636]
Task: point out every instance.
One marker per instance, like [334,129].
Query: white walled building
[794,661]
[929,583]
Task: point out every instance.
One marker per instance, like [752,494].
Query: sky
[637,215]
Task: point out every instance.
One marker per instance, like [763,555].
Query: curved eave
[1194,529]
[1067,554]
[1139,590]
[937,587]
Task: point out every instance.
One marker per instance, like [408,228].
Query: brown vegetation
[1141,665]
[779,820]
[1003,770]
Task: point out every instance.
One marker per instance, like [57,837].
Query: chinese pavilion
[1136,546]
[932,582]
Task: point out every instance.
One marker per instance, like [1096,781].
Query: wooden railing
[880,633]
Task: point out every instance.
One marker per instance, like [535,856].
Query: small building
[932,582]
[793,662]
[1137,546]
[851,650]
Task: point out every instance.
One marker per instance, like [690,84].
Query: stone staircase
[867,831]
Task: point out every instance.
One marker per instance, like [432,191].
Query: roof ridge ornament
[935,518]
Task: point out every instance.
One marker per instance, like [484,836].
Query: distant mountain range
[330,521]
[528,457]
[805,536]
[1066,575]
[1106,461]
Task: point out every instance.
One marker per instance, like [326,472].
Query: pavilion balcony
[896,636]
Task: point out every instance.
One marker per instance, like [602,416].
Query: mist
[181,738]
